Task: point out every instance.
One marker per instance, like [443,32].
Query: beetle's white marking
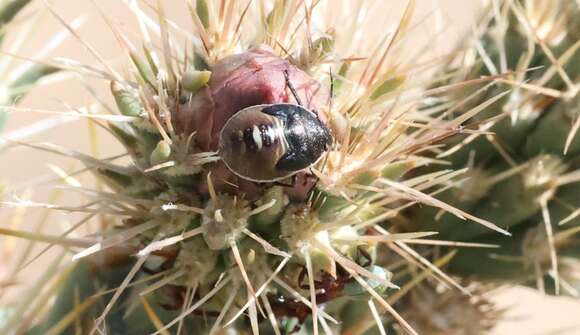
[278,133]
[257,137]
[244,134]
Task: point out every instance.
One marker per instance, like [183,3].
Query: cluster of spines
[523,173]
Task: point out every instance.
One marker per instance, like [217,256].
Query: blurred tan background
[530,312]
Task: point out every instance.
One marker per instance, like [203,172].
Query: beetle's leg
[366,256]
[316,113]
[149,271]
[291,184]
[291,87]
[293,180]
[331,84]
[331,96]
[301,278]
[310,176]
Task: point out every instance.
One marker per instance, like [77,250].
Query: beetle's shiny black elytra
[267,143]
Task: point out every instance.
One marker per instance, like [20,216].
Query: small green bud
[127,101]
[161,153]
[152,63]
[143,67]
[193,80]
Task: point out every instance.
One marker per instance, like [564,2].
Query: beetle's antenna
[291,87]
[331,84]
[331,98]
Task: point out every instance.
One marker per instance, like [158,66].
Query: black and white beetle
[269,143]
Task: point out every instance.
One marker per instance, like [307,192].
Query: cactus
[522,177]
[188,244]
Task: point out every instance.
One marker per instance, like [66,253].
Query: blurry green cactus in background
[444,181]
[523,175]
[17,83]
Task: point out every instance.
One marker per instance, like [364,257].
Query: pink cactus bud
[252,78]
